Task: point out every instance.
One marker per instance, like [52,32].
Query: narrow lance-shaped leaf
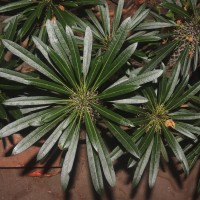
[27,25]
[91,130]
[29,80]
[117,90]
[163,52]
[139,16]
[105,18]
[186,96]
[124,139]
[53,138]
[69,158]
[114,48]
[15,5]
[23,122]
[32,60]
[108,114]
[133,100]
[106,162]
[144,77]
[176,148]
[75,56]
[87,52]
[35,100]
[177,9]
[117,63]
[65,139]
[95,168]
[117,16]
[35,135]
[153,25]
[141,166]
[155,160]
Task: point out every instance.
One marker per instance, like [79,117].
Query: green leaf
[25,122]
[35,135]
[113,49]
[176,148]
[87,52]
[3,114]
[130,109]
[196,57]
[95,169]
[164,152]
[29,80]
[67,18]
[116,153]
[177,9]
[190,127]
[94,69]
[11,30]
[155,159]
[163,52]
[146,140]
[178,92]
[184,115]
[65,139]
[105,18]
[118,15]
[185,96]
[29,23]
[108,114]
[69,158]
[181,129]
[145,38]
[32,60]
[53,138]
[57,39]
[133,100]
[106,162]
[89,2]
[95,21]
[63,66]
[42,47]
[35,100]
[139,16]
[75,56]
[124,139]
[91,130]
[172,82]
[152,25]
[144,77]
[142,165]
[118,63]
[150,94]
[117,90]
[15,5]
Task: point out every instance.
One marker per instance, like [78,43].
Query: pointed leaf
[69,158]
[32,60]
[124,139]
[87,52]
[108,114]
[106,162]
[176,148]
[35,135]
[95,169]
[141,166]
[155,160]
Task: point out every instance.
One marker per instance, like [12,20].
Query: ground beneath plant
[20,184]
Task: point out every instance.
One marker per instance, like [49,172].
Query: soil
[19,183]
